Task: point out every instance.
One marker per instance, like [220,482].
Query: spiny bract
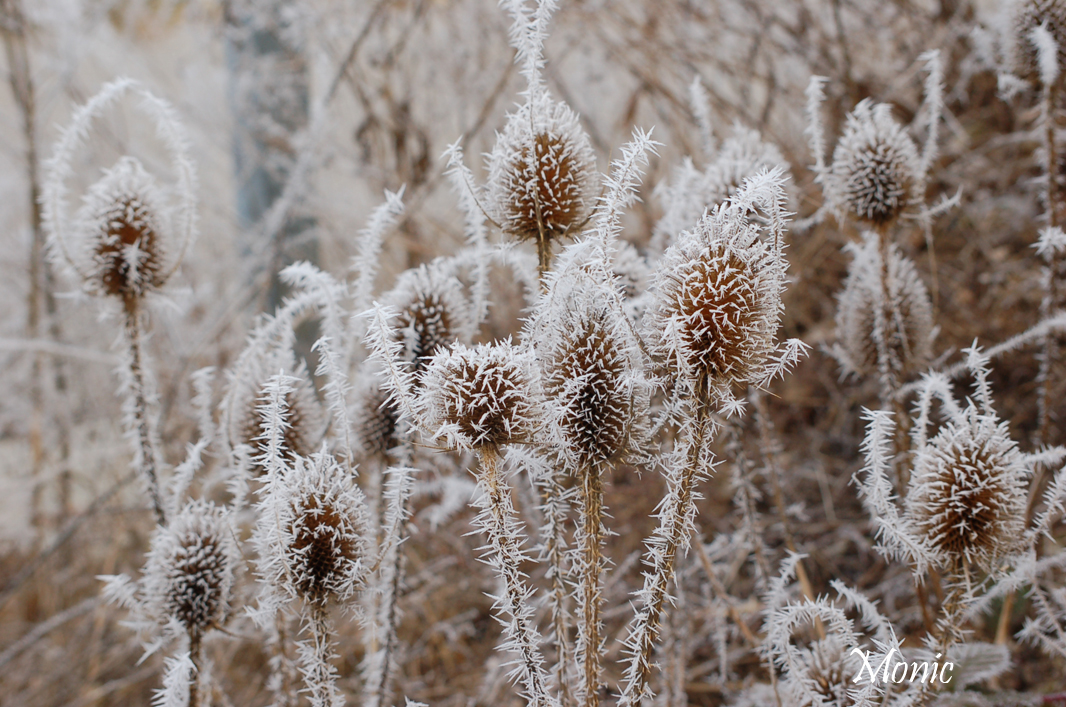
[876,171]
[189,571]
[480,396]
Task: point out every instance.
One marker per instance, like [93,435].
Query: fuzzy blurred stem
[497,521]
[1053,297]
[195,650]
[678,504]
[139,399]
[592,533]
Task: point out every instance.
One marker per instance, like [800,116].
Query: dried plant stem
[195,655]
[674,524]
[497,521]
[318,670]
[554,551]
[589,646]
[282,673]
[1053,297]
[139,407]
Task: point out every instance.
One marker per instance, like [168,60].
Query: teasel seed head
[1023,17]
[312,533]
[190,567]
[477,397]
[908,316]
[968,491]
[827,668]
[304,418]
[125,231]
[876,171]
[542,173]
[432,312]
[375,419]
[717,301]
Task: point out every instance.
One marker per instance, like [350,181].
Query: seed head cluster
[375,420]
[433,312]
[542,173]
[190,568]
[968,494]
[876,172]
[479,397]
[1023,17]
[303,417]
[125,232]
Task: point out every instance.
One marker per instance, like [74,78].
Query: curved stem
[145,452]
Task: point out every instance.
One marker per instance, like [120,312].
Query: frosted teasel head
[876,172]
[131,232]
[304,419]
[968,490]
[542,183]
[190,568]
[591,368]
[480,397]
[904,324]
[717,293]
[375,418]
[691,192]
[1021,45]
[312,534]
[432,312]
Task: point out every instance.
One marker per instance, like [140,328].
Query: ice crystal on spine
[542,173]
[190,568]
[969,489]
[876,172]
[480,396]
[903,326]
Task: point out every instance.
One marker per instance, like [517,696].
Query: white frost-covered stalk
[480,399]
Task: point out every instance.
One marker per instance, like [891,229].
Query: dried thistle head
[312,533]
[1023,16]
[432,312]
[189,571]
[125,234]
[542,173]
[717,301]
[375,419]
[304,417]
[968,490]
[590,379]
[826,668]
[876,172]
[906,319]
[479,397]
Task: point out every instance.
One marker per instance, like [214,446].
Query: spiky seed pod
[876,171]
[717,301]
[542,173]
[827,669]
[741,156]
[1023,16]
[375,420]
[968,490]
[312,533]
[123,228]
[304,419]
[588,372]
[479,397]
[190,566]
[432,312]
[907,317]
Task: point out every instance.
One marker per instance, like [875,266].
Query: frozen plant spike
[869,329]
[876,171]
[479,397]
